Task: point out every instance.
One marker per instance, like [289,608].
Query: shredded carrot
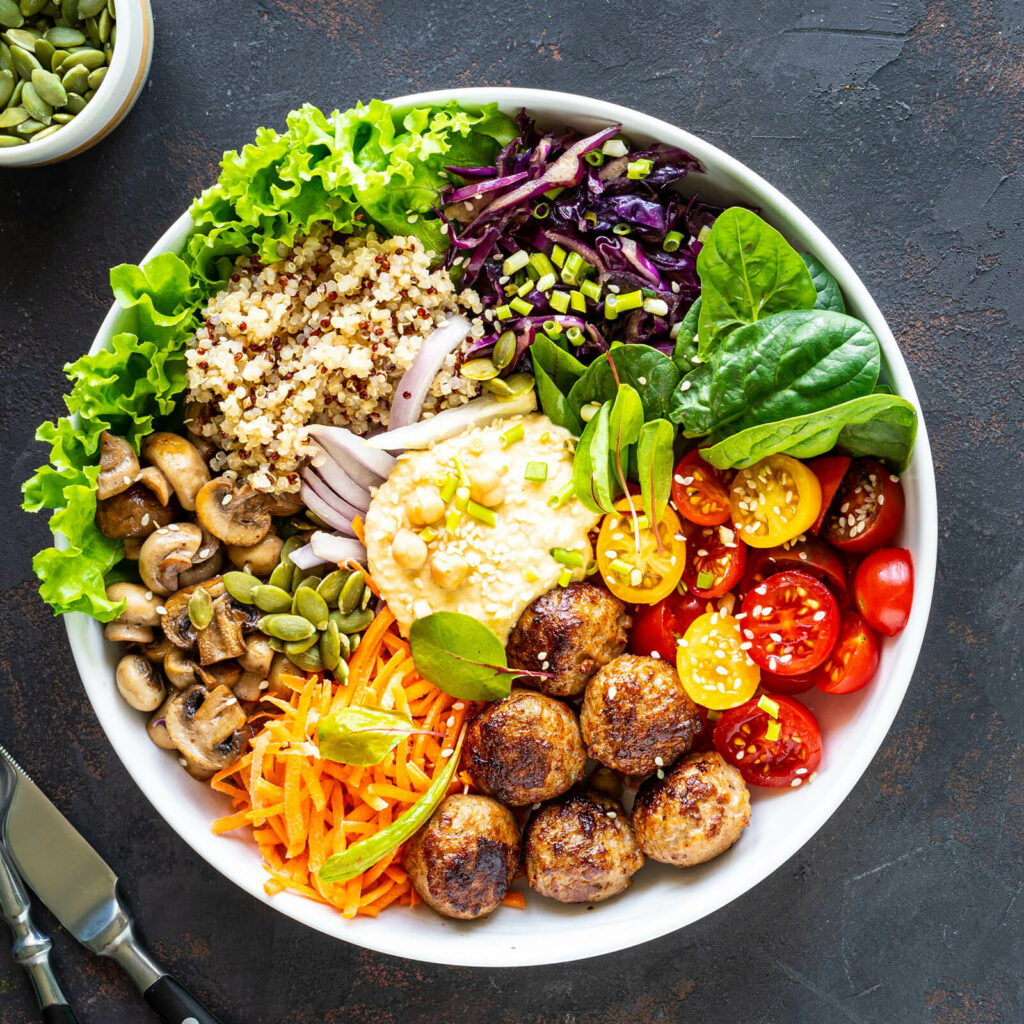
[302,809]
[358,528]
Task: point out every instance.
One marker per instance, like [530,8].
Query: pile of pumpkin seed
[53,57]
[314,620]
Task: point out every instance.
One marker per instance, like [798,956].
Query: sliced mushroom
[168,553]
[135,512]
[119,466]
[222,638]
[258,656]
[157,727]
[280,668]
[140,604]
[176,623]
[157,483]
[209,562]
[159,648]
[139,684]
[260,559]
[206,727]
[238,516]
[127,633]
[224,673]
[284,504]
[179,460]
[181,671]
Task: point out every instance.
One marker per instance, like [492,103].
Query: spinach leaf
[788,364]
[583,469]
[654,466]
[460,656]
[651,373]
[747,272]
[362,736]
[883,426]
[686,340]
[604,485]
[554,403]
[625,419]
[561,366]
[827,287]
[691,403]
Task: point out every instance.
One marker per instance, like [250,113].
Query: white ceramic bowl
[114,98]
[661,899]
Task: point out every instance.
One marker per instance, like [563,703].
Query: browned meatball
[695,813]
[525,748]
[581,849]
[570,631]
[464,859]
[636,716]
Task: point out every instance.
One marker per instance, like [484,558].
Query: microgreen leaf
[362,736]
[654,465]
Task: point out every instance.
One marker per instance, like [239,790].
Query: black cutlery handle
[176,1005]
[60,1013]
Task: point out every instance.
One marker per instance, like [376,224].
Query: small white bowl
[129,68]
[661,899]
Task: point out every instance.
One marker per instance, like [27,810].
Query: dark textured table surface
[898,125]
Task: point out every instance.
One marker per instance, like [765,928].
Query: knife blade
[80,889]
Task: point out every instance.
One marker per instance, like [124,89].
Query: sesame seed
[659,761]
[612,815]
[161,610]
[655,654]
[611,692]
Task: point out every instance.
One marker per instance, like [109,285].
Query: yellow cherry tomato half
[774,501]
[714,668]
[635,566]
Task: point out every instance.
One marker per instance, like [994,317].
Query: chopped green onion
[448,488]
[592,290]
[554,193]
[558,256]
[541,210]
[578,301]
[622,228]
[648,293]
[637,169]
[427,535]
[452,522]
[705,579]
[656,307]
[545,437]
[546,283]
[559,301]
[614,147]
[565,577]
[773,730]
[702,235]
[642,522]
[672,241]
[542,264]
[572,267]
[525,288]
[561,496]
[769,706]
[565,556]
[521,306]
[590,217]
[621,567]
[511,288]
[611,306]
[628,300]
[552,328]
[460,468]
[532,272]
[594,158]
[516,262]
[536,472]
[503,313]
[513,434]
[574,335]
[591,567]
[461,497]
[589,411]
[481,512]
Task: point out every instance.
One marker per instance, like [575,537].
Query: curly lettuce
[368,165]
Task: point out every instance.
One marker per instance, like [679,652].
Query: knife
[71,878]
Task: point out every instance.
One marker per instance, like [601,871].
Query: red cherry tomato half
[853,661]
[741,737]
[657,627]
[883,588]
[830,470]
[791,621]
[810,555]
[700,492]
[787,684]
[715,560]
[867,510]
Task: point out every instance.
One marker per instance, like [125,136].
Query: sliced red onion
[306,558]
[320,486]
[325,511]
[369,467]
[329,547]
[340,482]
[412,389]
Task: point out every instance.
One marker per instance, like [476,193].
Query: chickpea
[408,549]
[424,506]
[486,487]
[448,569]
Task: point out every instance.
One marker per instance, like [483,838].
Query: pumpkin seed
[5,57]
[35,104]
[272,599]
[24,37]
[240,585]
[63,118]
[310,580]
[47,131]
[353,622]
[275,644]
[104,23]
[48,88]
[510,387]
[282,577]
[331,584]
[200,608]
[69,11]
[12,117]
[90,8]
[112,41]
[330,646]
[16,97]
[292,544]
[110,8]
[8,141]
[311,606]
[44,52]
[75,103]
[31,7]
[6,87]
[479,369]
[299,646]
[286,627]
[76,80]
[344,640]
[10,16]
[504,350]
[351,593]
[92,31]
[64,37]
[96,78]
[88,58]
[24,62]
[308,661]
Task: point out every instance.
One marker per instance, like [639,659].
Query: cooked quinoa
[322,336]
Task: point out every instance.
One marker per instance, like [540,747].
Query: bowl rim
[452,943]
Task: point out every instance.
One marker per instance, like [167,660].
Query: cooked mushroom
[139,684]
[159,648]
[132,547]
[157,483]
[179,460]
[237,515]
[157,727]
[283,505]
[127,633]
[119,466]
[260,559]
[258,656]
[180,669]
[224,673]
[222,638]
[135,512]
[206,727]
[248,687]
[176,622]
[168,553]
[140,604]
[208,563]
[279,668]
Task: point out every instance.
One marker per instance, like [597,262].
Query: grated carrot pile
[303,809]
